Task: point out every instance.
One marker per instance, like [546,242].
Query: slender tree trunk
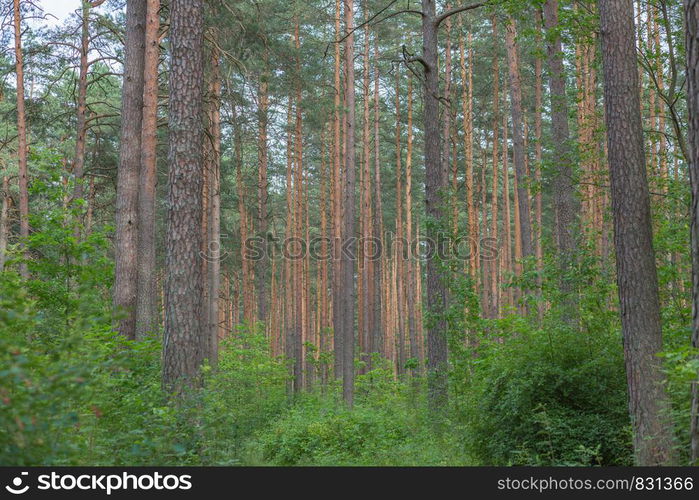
[146,315]
[538,134]
[336,205]
[214,223]
[410,263]
[493,266]
[467,103]
[435,191]
[182,354]
[81,128]
[323,306]
[636,274]
[564,197]
[126,237]
[518,141]
[290,296]
[367,274]
[346,321]
[262,191]
[22,146]
[399,240]
[378,331]
[4,220]
[505,260]
[691,17]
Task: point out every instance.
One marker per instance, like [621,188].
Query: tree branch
[438,20]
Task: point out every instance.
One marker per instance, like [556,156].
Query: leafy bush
[387,426]
[243,395]
[547,397]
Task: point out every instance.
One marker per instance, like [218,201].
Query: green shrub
[549,398]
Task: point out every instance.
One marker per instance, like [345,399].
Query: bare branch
[456,10]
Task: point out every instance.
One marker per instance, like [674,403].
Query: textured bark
[81,106]
[467,104]
[636,274]
[505,260]
[564,198]
[213,165]
[367,274]
[399,331]
[435,191]
[494,305]
[377,333]
[262,192]
[290,297]
[4,220]
[300,329]
[22,146]
[336,205]
[410,287]
[323,305]
[126,237]
[523,209]
[182,354]
[691,16]
[346,320]
[538,155]
[146,314]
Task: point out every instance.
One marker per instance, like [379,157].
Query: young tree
[636,273]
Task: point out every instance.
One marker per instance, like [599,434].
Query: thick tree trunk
[636,274]
[691,16]
[146,315]
[22,147]
[182,354]
[126,237]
